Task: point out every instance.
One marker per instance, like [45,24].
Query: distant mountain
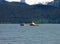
[17,3]
[55,3]
[13,3]
[20,12]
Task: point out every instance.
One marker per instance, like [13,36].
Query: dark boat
[22,24]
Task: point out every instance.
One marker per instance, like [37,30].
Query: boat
[28,24]
[33,24]
[22,24]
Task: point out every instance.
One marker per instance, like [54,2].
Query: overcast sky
[32,1]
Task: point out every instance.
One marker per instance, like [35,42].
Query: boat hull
[28,24]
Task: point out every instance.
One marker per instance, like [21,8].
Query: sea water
[42,34]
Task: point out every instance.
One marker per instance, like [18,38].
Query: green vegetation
[40,20]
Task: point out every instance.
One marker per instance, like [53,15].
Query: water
[42,34]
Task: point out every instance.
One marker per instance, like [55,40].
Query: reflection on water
[42,34]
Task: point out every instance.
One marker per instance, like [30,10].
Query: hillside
[55,3]
[21,12]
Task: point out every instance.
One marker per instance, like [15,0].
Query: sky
[31,2]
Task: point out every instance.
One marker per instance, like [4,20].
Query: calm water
[42,34]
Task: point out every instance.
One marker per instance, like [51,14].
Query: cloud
[13,0]
[31,2]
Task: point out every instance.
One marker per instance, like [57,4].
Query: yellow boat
[33,24]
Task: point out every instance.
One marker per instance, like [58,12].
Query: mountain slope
[55,3]
[11,13]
